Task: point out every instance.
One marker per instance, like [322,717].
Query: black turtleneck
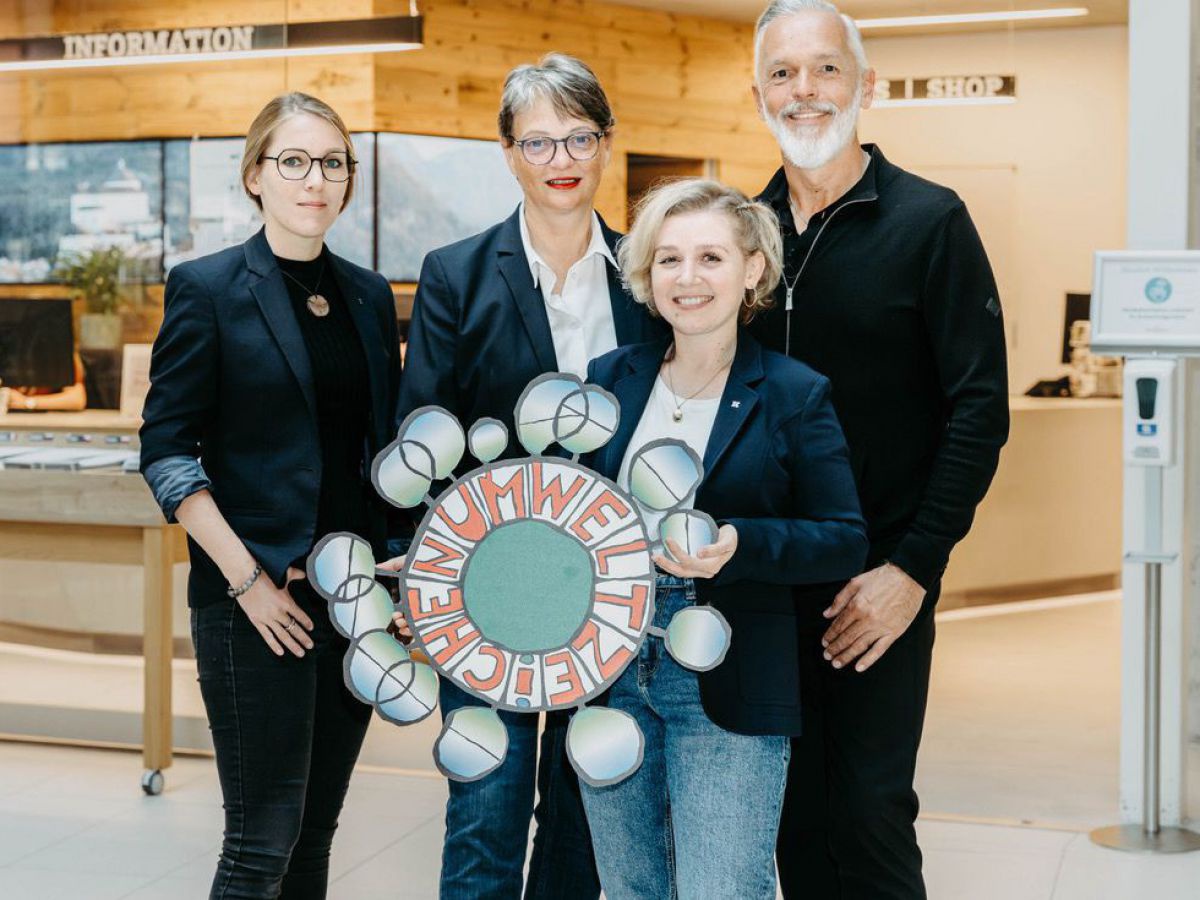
[342,388]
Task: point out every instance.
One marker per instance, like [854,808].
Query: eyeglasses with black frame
[580,146]
[294,165]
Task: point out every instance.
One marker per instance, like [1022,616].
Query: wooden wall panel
[679,84]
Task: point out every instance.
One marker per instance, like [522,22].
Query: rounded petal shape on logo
[381,672]
[368,612]
[698,638]
[540,414]
[691,529]
[341,567]
[403,473]
[587,420]
[408,694]
[664,473]
[368,661]
[605,746]
[439,433]
[473,743]
[487,439]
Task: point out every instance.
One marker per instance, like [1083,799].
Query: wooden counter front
[105,517]
[1051,522]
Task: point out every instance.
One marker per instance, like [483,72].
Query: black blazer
[480,332]
[231,383]
[777,469]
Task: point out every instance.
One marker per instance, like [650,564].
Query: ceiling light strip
[110,62]
[1016,15]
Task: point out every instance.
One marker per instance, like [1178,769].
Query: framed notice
[135,379]
[1146,301]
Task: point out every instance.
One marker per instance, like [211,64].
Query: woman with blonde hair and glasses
[699,817]
[273,383]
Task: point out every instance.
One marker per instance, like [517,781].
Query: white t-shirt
[581,320]
[656,423]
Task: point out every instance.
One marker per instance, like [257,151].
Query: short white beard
[812,152]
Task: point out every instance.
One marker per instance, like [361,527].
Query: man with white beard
[886,290]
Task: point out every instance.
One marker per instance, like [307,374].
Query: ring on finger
[291,623]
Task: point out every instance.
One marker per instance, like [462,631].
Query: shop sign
[946,90]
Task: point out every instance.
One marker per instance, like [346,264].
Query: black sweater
[897,305]
[339,370]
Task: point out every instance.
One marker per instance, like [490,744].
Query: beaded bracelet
[236,592]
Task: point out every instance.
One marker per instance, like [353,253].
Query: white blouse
[657,422]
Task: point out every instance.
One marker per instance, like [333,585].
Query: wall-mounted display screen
[61,200]
[207,210]
[167,201]
[434,191]
[36,343]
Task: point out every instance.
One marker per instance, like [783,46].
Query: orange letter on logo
[590,635]
[569,677]
[553,491]
[434,566]
[473,526]
[498,670]
[492,492]
[597,511]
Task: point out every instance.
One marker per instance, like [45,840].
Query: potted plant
[96,277]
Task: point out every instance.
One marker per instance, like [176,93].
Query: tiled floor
[1022,727]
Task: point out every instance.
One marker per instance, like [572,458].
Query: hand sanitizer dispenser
[1149,410]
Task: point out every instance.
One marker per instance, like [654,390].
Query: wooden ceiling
[1100,12]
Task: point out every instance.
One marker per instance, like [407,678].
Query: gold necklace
[677,414]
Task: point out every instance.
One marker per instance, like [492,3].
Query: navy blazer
[231,383]
[777,469]
[480,332]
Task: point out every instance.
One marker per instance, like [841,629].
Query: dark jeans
[286,734]
[487,821]
[847,831]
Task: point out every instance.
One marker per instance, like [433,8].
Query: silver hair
[780,8]
[568,83]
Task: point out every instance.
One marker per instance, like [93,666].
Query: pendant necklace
[677,413]
[317,305]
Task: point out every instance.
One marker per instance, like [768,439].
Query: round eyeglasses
[294,165]
[580,146]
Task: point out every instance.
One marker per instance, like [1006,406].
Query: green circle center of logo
[528,587]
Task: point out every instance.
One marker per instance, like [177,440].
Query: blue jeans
[487,821]
[699,818]
[286,733]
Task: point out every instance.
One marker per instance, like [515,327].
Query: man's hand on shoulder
[869,615]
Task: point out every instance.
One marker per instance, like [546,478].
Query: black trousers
[286,733]
[847,831]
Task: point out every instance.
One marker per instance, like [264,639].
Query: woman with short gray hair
[539,292]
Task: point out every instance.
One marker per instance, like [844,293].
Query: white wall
[1044,177]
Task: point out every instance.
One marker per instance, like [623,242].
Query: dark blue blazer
[777,469]
[231,383]
[480,332]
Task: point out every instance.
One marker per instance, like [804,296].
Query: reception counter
[1051,523]
[58,514]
